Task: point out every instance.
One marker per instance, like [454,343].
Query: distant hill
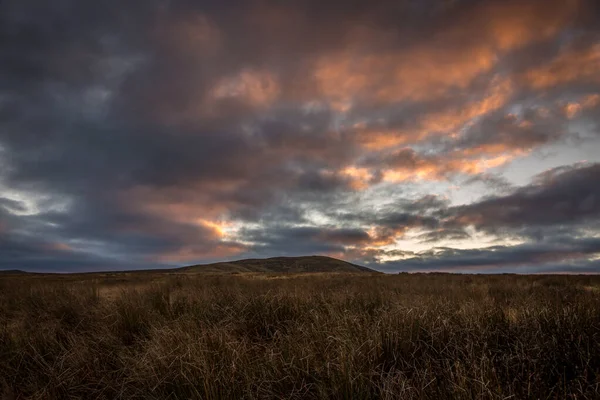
[12,272]
[280,264]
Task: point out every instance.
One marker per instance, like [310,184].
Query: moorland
[298,335]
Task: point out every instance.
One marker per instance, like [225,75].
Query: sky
[405,135]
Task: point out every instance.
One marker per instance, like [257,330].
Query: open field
[179,336]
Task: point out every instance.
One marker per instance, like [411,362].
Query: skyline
[455,136]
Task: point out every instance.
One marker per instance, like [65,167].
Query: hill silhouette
[12,272]
[279,265]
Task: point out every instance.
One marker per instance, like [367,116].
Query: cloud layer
[434,135]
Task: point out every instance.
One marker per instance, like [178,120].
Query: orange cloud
[219,227]
[436,169]
[384,236]
[192,205]
[193,35]
[448,121]
[448,61]
[569,66]
[380,139]
[572,109]
[427,73]
[407,165]
[216,235]
[512,24]
[497,95]
[191,253]
[183,211]
[360,178]
[418,74]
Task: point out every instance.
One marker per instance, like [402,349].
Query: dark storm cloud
[561,196]
[137,131]
[400,215]
[104,236]
[303,240]
[21,249]
[510,131]
[444,234]
[494,181]
[12,205]
[552,217]
[551,256]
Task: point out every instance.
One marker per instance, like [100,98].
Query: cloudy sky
[405,135]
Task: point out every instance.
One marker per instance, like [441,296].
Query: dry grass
[438,336]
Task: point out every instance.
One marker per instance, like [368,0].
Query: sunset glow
[404,136]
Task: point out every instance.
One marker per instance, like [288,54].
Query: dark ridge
[280,265]
[12,272]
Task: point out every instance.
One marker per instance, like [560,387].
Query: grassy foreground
[438,336]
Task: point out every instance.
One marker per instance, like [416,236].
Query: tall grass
[435,336]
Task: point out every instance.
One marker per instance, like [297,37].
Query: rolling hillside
[280,264]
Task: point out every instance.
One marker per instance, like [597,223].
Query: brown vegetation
[338,336]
